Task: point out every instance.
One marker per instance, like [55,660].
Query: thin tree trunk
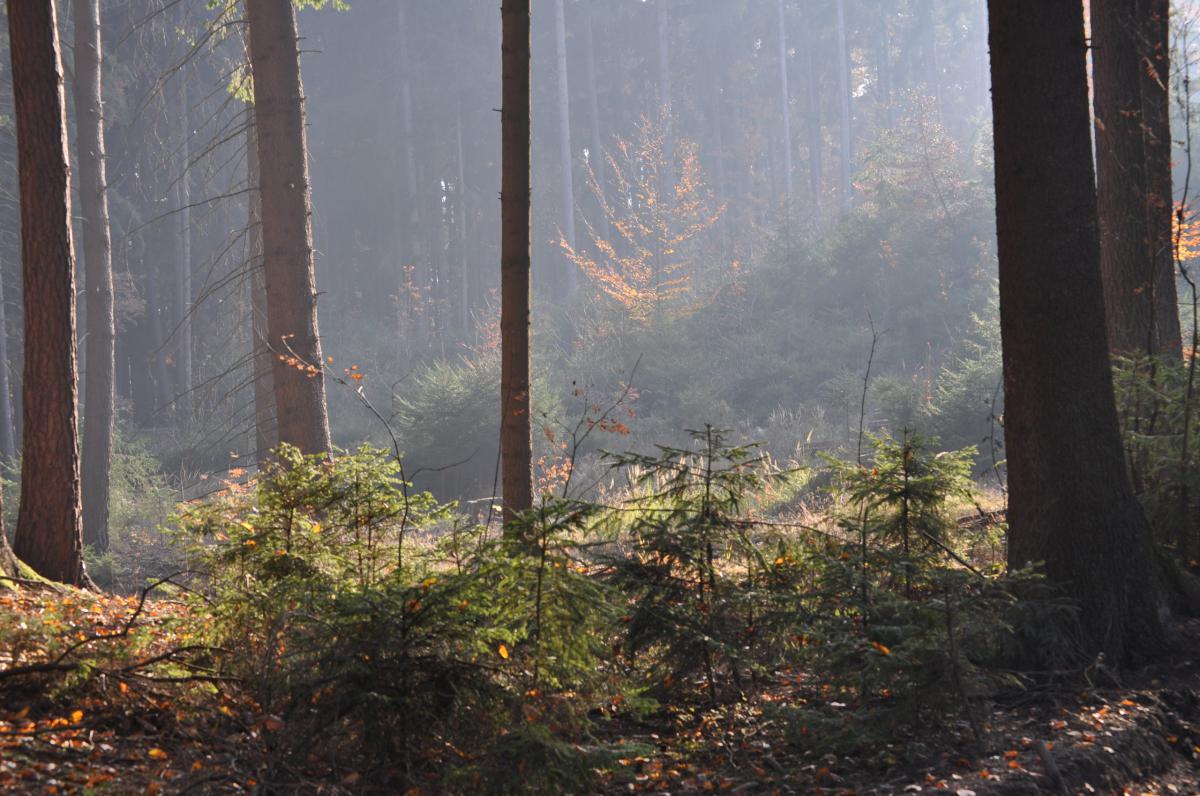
[1155,72]
[664,96]
[565,159]
[812,91]
[49,533]
[846,153]
[1071,505]
[183,269]
[266,437]
[299,379]
[1121,187]
[785,107]
[596,157]
[8,448]
[98,277]
[413,226]
[516,442]
[464,264]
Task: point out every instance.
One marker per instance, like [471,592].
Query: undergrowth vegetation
[395,640]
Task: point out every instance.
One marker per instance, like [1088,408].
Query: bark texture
[1071,505]
[1155,75]
[8,447]
[516,442]
[266,437]
[98,277]
[299,382]
[49,534]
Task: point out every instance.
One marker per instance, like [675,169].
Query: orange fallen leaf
[157,754]
[503,651]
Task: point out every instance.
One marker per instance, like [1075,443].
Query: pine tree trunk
[785,108]
[266,437]
[49,534]
[1070,501]
[565,159]
[812,91]
[183,269]
[516,441]
[846,153]
[1121,187]
[8,448]
[596,156]
[299,381]
[412,226]
[98,277]
[664,96]
[1155,72]
[464,260]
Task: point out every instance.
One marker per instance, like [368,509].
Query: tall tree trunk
[8,448]
[565,159]
[664,96]
[1121,186]
[299,379]
[464,260]
[1070,500]
[183,266]
[812,90]
[1155,72]
[516,442]
[596,158]
[846,153]
[785,107]
[266,436]
[412,225]
[98,277]
[49,533]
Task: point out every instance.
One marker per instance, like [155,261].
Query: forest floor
[102,694]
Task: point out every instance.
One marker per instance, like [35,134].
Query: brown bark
[266,437]
[8,448]
[1155,75]
[1133,175]
[98,277]
[49,534]
[1071,505]
[301,415]
[515,435]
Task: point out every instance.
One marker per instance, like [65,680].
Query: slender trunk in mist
[985,77]
[785,109]
[266,436]
[664,96]
[812,91]
[98,277]
[183,269]
[49,534]
[564,142]
[156,303]
[883,72]
[299,377]
[596,156]
[8,448]
[1071,504]
[464,260]
[516,442]
[1155,73]
[846,153]
[1121,187]
[411,226]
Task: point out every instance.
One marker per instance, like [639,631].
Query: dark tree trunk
[1070,501]
[299,380]
[1155,71]
[98,277]
[8,448]
[49,533]
[266,437]
[1121,187]
[516,442]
